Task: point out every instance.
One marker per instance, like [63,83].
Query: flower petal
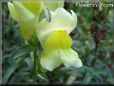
[12,11]
[35,6]
[58,40]
[70,58]
[60,20]
[64,20]
[27,20]
[50,60]
[28,28]
[23,13]
[53,5]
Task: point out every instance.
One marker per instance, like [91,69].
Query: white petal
[53,5]
[60,20]
[12,11]
[70,58]
[50,60]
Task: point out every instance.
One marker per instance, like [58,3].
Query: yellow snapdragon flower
[56,42]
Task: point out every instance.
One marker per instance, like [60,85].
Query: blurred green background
[93,39]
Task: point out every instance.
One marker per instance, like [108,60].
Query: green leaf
[29,62]
[9,72]
[71,79]
[42,77]
[22,51]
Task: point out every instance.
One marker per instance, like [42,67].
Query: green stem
[35,61]
[35,67]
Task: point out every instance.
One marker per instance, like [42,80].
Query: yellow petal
[28,28]
[58,40]
[35,6]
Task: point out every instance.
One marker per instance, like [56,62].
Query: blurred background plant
[93,40]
